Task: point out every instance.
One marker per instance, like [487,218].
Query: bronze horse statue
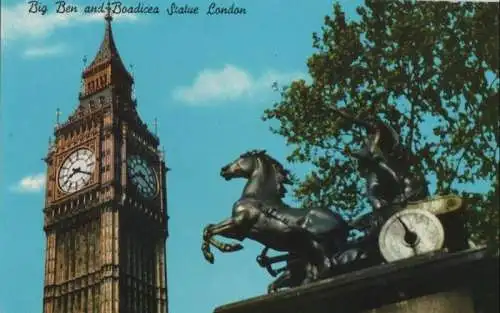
[312,237]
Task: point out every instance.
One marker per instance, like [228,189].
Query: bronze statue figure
[385,163]
[314,238]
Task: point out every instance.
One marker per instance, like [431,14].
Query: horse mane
[282,175]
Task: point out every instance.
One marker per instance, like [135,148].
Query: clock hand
[141,176]
[411,237]
[78,170]
[75,170]
[145,177]
[137,174]
[147,182]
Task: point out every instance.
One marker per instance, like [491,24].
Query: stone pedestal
[462,282]
[441,302]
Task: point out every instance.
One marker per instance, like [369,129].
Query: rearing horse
[259,214]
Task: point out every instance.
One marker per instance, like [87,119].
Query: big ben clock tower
[106,204]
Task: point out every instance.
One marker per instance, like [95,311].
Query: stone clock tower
[106,203]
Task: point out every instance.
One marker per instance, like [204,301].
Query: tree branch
[493,81]
[450,181]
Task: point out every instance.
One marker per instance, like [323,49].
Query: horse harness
[271,211]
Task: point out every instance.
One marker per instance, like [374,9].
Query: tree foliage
[431,70]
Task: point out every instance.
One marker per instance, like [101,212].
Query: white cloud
[227,83]
[17,23]
[33,183]
[45,51]
[230,83]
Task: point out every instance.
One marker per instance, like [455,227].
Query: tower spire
[107,67]
[107,50]
[58,114]
[108,18]
[82,81]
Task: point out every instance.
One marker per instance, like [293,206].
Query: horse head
[265,175]
[243,167]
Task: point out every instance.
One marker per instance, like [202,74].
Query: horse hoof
[237,247]
[209,256]
[232,247]
[206,235]
[262,260]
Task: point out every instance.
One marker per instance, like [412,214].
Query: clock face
[409,233]
[142,176]
[76,170]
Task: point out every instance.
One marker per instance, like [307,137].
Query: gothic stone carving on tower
[105,209]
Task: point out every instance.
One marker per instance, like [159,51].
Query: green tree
[429,68]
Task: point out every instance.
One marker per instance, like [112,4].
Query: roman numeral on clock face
[76,170]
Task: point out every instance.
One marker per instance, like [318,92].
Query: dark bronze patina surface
[315,240]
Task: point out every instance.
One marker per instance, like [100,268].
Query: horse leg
[311,273]
[267,262]
[224,228]
[282,281]
[293,275]
[321,261]
[205,248]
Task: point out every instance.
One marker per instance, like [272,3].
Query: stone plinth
[441,302]
[462,282]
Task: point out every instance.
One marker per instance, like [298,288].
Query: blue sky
[206,78]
